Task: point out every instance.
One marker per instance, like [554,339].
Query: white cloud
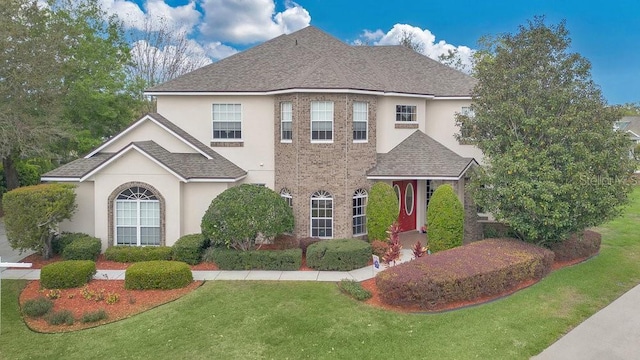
[430,47]
[250,21]
[180,18]
[217,50]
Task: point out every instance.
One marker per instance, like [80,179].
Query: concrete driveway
[7,254]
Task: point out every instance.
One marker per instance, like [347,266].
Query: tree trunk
[47,250]
[10,173]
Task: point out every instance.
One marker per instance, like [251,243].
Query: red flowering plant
[393,252]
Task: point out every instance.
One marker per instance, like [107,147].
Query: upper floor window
[406,113]
[286,120]
[360,121]
[321,121]
[286,195]
[465,128]
[227,121]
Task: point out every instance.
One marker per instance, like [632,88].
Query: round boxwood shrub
[338,254]
[236,217]
[382,210]
[189,248]
[67,274]
[160,274]
[61,241]
[82,248]
[445,219]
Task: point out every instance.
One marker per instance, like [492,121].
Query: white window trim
[406,122]
[333,134]
[282,140]
[138,226]
[366,140]
[285,193]
[321,195]
[241,139]
[362,194]
[413,199]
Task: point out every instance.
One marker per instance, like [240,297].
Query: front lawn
[298,320]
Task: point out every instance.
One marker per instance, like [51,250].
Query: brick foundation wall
[339,167]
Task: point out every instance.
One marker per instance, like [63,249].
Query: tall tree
[554,164]
[62,72]
[408,39]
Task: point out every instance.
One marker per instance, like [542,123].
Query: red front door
[406,191]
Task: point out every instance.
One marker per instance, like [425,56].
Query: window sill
[286,141]
[360,141]
[406,125]
[322,141]
[232,143]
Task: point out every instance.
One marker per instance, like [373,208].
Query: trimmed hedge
[339,254]
[137,254]
[305,242]
[82,248]
[67,274]
[445,219]
[480,269]
[159,274]
[577,246]
[189,248]
[61,241]
[230,259]
[382,210]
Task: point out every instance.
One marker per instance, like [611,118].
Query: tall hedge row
[445,219]
[382,210]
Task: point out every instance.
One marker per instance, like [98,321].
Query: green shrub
[189,248]
[382,210]
[354,289]
[82,248]
[67,274]
[60,317]
[37,307]
[159,274]
[379,247]
[478,270]
[136,254]
[61,241]
[94,316]
[230,259]
[305,242]
[577,246]
[339,254]
[445,219]
[236,217]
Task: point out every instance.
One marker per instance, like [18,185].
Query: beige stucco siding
[135,167]
[388,135]
[148,130]
[256,153]
[441,125]
[196,198]
[83,219]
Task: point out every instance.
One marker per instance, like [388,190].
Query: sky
[607,33]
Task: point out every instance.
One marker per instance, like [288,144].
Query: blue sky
[607,33]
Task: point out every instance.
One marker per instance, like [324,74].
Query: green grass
[298,320]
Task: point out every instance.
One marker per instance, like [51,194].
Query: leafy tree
[554,164]
[382,211]
[445,219]
[32,215]
[408,40]
[240,214]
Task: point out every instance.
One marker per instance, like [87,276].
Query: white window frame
[137,198]
[286,195]
[318,198]
[365,121]
[286,117]
[219,113]
[360,198]
[413,199]
[405,111]
[319,116]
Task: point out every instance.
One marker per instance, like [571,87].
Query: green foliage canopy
[32,215]
[239,214]
[382,210]
[554,164]
[445,219]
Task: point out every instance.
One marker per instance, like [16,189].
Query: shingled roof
[311,59]
[420,156]
[203,165]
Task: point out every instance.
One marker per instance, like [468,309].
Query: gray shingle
[419,155]
[310,58]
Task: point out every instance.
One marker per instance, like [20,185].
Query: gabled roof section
[630,124]
[312,59]
[420,157]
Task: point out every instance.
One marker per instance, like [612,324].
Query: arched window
[359,213]
[286,195]
[137,217]
[321,214]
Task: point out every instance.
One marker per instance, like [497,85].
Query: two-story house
[313,118]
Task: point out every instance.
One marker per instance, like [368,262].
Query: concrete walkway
[7,254]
